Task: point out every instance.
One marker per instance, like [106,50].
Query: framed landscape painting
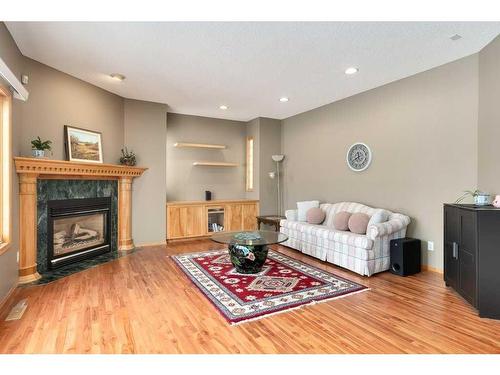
[83,145]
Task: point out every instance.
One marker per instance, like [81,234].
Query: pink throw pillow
[358,223]
[315,215]
[341,220]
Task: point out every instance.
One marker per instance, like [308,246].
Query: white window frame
[5,169]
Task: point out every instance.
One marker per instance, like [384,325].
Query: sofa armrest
[292,215]
[396,223]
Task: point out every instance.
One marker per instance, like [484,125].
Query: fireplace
[77,229]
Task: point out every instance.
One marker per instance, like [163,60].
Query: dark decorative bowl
[247,258]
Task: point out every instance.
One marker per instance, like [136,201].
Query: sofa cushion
[380,216]
[358,223]
[341,220]
[315,215]
[332,208]
[303,207]
[291,215]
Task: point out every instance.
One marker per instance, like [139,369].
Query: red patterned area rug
[283,284]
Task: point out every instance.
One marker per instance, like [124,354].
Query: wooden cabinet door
[467,256]
[174,223]
[193,221]
[249,213]
[185,221]
[234,218]
[451,243]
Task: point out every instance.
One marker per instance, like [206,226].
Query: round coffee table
[248,249]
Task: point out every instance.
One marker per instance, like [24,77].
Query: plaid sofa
[364,254]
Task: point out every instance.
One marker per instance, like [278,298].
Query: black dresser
[472,255]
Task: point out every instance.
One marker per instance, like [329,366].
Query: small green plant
[38,144]
[467,193]
[128,157]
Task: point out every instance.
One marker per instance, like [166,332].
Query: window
[5,167]
[249,164]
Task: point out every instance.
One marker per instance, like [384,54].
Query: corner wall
[489,118]
[145,126]
[57,99]
[269,144]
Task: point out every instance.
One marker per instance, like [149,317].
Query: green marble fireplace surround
[54,189]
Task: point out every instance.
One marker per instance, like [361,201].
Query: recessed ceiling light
[455,37]
[223,107]
[351,70]
[117,76]
[284,99]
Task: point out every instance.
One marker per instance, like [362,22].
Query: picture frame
[83,145]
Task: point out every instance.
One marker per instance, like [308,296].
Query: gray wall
[188,182]
[489,118]
[145,134]
[423,134]
[57,99]
[269,144]
[266,133]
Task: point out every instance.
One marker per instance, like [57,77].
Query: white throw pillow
[303,207]
[380,216]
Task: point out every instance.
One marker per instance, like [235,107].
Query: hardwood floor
[144,304]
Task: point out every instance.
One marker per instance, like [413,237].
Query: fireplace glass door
[78,232]
[78,229]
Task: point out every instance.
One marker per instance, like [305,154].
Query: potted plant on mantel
[38,147]
[128,158]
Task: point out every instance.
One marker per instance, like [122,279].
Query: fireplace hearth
[77,229]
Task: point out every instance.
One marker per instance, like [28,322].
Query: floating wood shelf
[199,145]
[214,164]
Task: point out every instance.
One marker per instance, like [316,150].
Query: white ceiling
[194,67]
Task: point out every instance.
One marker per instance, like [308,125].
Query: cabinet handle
[455,250]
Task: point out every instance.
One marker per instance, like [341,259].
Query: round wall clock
[359,157]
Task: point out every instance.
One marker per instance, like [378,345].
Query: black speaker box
[208,195]
[405,256]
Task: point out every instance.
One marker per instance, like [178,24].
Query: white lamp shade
[278,158]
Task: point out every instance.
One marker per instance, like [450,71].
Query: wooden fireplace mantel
[31,169]
[51,168]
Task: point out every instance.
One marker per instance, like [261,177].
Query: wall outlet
[430,245]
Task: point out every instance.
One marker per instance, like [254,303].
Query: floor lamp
[278,159]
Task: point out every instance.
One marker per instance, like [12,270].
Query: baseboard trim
[185,239]
[425,267]
[147,244]
[3,302]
